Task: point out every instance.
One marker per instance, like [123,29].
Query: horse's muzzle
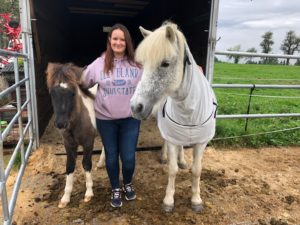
[61,125]
[139,111]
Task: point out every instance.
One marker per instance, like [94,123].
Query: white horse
[173,83]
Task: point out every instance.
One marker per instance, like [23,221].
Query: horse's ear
[78,71]
[49,67]
[170,34]
[49,72]
[144,32]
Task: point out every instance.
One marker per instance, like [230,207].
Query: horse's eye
[164,64]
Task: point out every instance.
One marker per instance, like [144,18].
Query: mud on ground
[238,186]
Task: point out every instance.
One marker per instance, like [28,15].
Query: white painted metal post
[29,66]
[19,108]
[212,40]
[3,192]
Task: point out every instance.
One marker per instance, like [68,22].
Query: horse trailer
[76,31]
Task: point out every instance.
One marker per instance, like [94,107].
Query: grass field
[235,101]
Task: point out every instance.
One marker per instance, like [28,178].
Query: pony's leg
[70,167]
[168,202]
[196,200]
[181,159]
[87,165]
[101,162]
[89,186]
[164,152]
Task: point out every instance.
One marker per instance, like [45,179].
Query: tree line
[289,46]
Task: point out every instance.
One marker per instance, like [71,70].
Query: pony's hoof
[62,205]
[87,198]
[183,166]
[163,161]
[168,208]
[198,208]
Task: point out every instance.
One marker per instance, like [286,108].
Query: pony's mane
[66,73]
[163,47]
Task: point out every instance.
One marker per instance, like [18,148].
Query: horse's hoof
[62,205]
[183,166]
[163,161]
[168,208]
[198,208]
[87,198]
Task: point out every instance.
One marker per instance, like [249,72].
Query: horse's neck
[186,86]
[193,99]
[192,102]
[182,90]
[83,103]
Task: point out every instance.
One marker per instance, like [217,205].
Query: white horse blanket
[188,116]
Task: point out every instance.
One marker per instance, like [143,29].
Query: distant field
[235,101]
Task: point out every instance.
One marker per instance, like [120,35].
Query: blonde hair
[163,47]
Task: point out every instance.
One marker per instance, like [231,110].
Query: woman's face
[117,42]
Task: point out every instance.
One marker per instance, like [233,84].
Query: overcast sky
[243,22]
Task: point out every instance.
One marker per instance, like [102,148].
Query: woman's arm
[89,75]
[88,78]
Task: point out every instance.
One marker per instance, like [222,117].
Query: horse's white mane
[156,47]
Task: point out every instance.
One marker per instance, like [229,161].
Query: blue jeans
[119,138]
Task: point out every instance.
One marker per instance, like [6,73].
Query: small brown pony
[75,118]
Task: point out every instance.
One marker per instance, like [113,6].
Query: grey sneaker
[116,198]
[129,192]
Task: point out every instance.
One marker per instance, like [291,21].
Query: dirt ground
[238,186]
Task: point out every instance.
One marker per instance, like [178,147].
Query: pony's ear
[78,71]
[170,34]
[49,72]
[144,32]
[49,67]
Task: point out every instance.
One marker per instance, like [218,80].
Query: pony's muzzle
[60,124]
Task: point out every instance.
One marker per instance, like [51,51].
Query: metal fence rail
[265,55]
[252,86]
[27,131]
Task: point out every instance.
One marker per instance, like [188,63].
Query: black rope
[139,149]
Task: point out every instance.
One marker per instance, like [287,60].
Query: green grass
[17,163]
[235,101]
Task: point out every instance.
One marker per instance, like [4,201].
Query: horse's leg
[101,162]
[168,203]
[87,165]
[70,167]
[196,200]
[164,152]
[181,159]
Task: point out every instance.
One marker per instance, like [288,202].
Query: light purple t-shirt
[114,89]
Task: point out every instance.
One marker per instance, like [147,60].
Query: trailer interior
[75,31]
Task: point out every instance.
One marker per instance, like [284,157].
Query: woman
[117,75]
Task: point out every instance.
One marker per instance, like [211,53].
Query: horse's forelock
[170,24]
[62,73]
[157,47]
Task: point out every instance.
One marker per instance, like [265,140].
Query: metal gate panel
[26,131]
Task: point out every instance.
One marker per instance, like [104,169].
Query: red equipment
[10,26]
